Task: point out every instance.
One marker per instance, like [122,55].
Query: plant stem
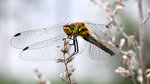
[146,19]
[141,49]
[69,79]
[114,23]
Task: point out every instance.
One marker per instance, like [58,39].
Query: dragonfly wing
[23,39]
[96,53]
[98,31]
[43,51]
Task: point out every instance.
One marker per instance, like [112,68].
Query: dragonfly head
[74,28]
[67,29]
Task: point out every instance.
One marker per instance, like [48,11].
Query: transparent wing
[36,52]
[23,39]
[40,44]
[98,31]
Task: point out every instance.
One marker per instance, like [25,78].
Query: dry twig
[39,77]
[141,49]
[66,76]
[131,38]
[147,17]
[112,20]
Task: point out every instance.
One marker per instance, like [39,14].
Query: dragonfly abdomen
[99,44]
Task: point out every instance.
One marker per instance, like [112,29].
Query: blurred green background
[22,15]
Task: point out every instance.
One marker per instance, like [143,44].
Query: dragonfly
[41,44]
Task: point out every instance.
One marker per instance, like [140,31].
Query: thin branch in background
[131,38]
[142,47]
[66,76]
[128,58]
[108,8]
[147,17]
[39,77]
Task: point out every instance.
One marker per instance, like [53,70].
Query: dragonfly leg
[77,45]
[76,48]
[74,43]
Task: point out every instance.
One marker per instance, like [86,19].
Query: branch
[141,49]
[147,17]
[132,65]
[66,76]
[39,77]
[112,21]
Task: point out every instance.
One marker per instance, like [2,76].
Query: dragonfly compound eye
[66,27]
[67,30]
